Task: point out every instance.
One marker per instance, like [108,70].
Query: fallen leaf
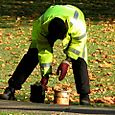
[105,65]
[3,65]
[8,48]
[107,100]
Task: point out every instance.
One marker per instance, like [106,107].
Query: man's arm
[77,38]
[40,42]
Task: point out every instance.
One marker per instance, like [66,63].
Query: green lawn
[15,41]
[15,37]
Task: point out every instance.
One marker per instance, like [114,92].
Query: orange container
[61,97]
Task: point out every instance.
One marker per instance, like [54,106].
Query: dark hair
[57,28]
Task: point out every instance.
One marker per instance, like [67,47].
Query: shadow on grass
[95,10]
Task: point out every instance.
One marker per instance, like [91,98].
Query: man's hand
[62,69]
[44,82]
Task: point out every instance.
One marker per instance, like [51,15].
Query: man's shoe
[84,99]
[84,102]
[8,94]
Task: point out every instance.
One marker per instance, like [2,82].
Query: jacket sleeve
[75,47]
[40,42]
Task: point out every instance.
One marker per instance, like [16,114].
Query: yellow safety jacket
[74,43]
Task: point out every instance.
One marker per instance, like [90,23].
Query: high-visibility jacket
[74,44]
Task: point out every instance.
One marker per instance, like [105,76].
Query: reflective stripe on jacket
[75,41]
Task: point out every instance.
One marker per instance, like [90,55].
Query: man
[64,22]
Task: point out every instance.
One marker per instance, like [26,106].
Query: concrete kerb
[53,108]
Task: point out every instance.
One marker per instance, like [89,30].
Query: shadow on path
[48,108]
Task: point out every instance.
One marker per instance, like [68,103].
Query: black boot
[8,94]
[84,99]
[37,94]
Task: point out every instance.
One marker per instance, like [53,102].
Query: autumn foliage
[15,38]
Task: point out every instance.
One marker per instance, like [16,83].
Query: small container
[61,97]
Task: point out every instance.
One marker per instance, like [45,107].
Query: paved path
[53,108]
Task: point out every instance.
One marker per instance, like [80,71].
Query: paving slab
[38,108]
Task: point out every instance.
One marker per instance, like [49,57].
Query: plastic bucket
[61,97]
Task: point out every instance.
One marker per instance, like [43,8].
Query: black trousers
[29,62]
[80,72]
[24,68]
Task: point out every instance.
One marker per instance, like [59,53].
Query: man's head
[57,28]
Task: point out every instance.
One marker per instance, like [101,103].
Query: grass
[17,113]
[15,42]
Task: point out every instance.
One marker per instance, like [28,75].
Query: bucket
[61,97]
